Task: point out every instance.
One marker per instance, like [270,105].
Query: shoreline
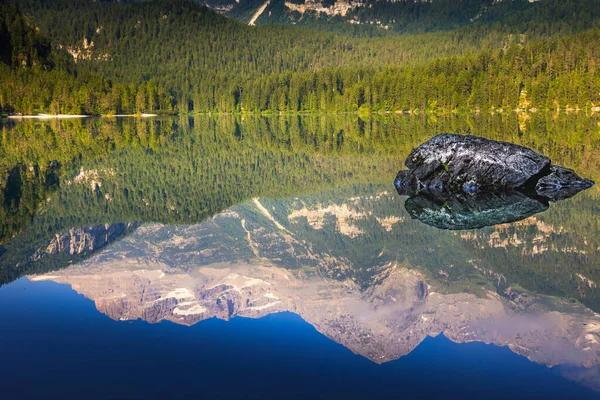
[590,112]
[49,116]
[142,115]
[70,116]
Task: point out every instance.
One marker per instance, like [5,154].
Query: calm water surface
[270,257]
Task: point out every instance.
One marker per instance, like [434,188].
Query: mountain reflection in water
[314,228]
[259,258]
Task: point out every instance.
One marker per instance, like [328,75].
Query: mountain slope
[40,76]
[178,56]
[377,17]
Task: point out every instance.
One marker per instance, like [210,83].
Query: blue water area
[55,344]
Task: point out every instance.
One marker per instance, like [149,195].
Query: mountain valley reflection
[252,260]
[207,238]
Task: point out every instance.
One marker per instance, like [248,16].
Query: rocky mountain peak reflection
[384,322]
[267,256]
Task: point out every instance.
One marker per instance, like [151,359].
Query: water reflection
[472,210]
[268,256]
[168,220]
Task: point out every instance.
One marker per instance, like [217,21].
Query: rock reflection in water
[467,182]
[472,211]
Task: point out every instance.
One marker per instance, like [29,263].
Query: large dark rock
[467,182]
[561,183]
[472,211]
[466,163]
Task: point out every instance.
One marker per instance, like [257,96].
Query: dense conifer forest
[162,56]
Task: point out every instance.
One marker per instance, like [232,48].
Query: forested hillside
[163,56]
[552,74]
[39,76]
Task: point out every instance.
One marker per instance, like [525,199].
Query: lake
[271,257]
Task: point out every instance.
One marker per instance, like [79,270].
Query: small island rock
[453,163]
[458,162]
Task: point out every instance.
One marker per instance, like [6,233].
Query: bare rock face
[465,164]
[84,240]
